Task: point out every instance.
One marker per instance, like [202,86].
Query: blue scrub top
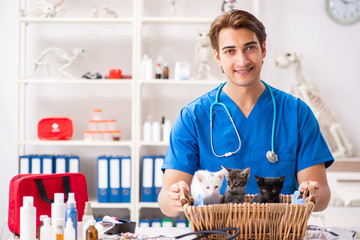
[299,143]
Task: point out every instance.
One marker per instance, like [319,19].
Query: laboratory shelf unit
[142,27]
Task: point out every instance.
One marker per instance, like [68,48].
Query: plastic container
[147,130]
[166,129]
[58,208]
[110,124]
[96,114]
[46,231]
[155,131]
[88,135]
[116,135]
[69,232]
[28,219]
[71,211]
[88,215]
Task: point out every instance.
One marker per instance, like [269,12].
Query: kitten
[269,189]
[207,185]
[236,181]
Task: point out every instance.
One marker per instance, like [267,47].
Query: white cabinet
[142,27]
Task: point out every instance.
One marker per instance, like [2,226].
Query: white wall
[330,60]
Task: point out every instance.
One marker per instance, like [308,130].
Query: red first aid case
[55,129]
[43,187]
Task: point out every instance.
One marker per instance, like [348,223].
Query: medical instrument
[270,155]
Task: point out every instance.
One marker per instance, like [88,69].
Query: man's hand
[174,194]
[304,186]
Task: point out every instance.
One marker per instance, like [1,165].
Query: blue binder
[48,164]
[36,164]
[73,164]
[103,179]
[114,179]
[147,184]
[155,223]
[158,176]
[144,223]
[60,163]
[24,164]
[125,179]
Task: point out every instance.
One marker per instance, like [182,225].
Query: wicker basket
[272,221]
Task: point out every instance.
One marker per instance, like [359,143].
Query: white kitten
[207,184]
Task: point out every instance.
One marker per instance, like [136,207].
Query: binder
[114,170]
[48,164]
[60,164]
[73,164]
[147,192]
[158,176]
[103,179]
[167,223]
[155,223]
[181,223]
[36,164]
[144,223]
[24,164]
[125,179]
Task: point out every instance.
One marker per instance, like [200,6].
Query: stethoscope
[270,155]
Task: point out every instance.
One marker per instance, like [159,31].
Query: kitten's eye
[216,187]
[264,190]
[207,187]
[273,191]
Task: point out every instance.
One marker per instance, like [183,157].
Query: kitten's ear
[281,179]
[222,172]
[199,176]
[225,171]
[246,171]
[259,179]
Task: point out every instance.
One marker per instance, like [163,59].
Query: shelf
[95,204]
[176,20]
[149,205]
[76,81]
[155,144]
[180,82]
[89,20]
[76,143]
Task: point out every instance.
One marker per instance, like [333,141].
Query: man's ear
[263,50]
[217,57]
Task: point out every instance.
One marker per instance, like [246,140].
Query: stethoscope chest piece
[271,156]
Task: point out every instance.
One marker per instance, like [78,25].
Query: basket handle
[309,194]
[185,199]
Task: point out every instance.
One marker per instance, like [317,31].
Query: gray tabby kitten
[236,181]
[269,189]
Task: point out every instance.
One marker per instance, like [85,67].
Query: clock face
[343,11]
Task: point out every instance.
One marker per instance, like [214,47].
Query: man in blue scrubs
[239,43]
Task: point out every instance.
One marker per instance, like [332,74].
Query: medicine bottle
[46,231]
[165,71]
[59,231]
[71,211]
[28,219]
[69,232]
[91,232]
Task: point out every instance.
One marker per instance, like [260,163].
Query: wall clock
[343,11]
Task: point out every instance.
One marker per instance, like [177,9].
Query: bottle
[28,219]
[146,68]
[166,129]
[158,68]
[42,218]
[147,130]
[59,229]
[58,208]
[46,231]
[91,232]
[156,131]
[71,211]
[165,74]
[69,232]
[88,215]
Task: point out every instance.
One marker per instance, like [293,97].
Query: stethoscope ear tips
[271,156]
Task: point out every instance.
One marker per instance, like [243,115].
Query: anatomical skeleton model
[334,134]
[61,56]
[203,55]
[44,9]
